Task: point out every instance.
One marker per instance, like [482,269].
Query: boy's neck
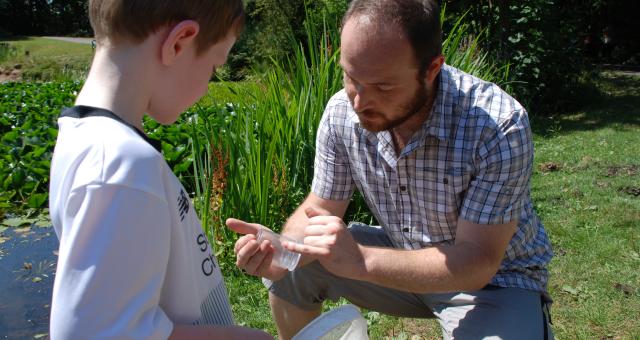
[120,80]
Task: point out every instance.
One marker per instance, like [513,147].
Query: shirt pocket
[440,195]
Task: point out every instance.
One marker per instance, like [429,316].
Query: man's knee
[508,313]
[306,287]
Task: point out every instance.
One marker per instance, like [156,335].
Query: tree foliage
[548,44]
[545,42]
[44,17]
[275,28]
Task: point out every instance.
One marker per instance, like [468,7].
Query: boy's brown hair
[135,20]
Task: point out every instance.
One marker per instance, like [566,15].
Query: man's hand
[327,239]
[254,258]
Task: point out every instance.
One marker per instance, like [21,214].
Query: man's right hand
[254,258]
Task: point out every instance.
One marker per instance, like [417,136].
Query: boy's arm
[112,263]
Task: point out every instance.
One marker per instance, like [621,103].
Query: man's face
[381,76]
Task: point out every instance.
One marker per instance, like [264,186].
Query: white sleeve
[113,256]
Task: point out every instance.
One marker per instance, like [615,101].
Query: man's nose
[362,99]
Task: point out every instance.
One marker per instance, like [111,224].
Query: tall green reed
[6,51]
[462,50]
[253,158]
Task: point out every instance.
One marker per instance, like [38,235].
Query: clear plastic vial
[282,258]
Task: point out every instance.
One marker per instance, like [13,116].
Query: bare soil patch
[549,167]
[617,170]
[8,74]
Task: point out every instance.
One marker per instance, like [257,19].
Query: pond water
[27,266]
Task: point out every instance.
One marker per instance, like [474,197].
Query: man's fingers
[313,211]
[243,227]
[322,228]
[305,249]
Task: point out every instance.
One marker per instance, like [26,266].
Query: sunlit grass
[42,59]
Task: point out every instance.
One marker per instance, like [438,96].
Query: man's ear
[177,40]
[434,69]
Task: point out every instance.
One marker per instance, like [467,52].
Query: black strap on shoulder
[81,111]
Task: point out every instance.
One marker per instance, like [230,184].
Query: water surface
[27,266]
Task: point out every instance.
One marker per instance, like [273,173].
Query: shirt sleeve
[503,162]
[332,178]
[113,256]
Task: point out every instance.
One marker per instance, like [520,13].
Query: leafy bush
[274,27]
[539,39]
[28,123]
[462,50]
[28,127]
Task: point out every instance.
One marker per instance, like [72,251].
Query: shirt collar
[439,122]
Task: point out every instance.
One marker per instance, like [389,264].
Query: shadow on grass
[609,99]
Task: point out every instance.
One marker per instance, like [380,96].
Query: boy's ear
[179,38]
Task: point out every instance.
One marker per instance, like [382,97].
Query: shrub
[539,39]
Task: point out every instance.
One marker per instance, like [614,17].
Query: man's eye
[384,88]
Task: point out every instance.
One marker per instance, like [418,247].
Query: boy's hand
[254,258]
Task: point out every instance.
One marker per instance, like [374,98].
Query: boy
[133,261]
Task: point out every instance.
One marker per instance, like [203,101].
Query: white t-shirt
[133,258]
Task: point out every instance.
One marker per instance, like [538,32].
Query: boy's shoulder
[100,149]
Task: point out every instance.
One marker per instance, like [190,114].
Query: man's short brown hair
[135,20]
[419,19]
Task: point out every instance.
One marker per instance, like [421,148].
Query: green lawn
[43,59]
[585,187]
[591,208]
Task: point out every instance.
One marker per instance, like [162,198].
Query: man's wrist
[367,264]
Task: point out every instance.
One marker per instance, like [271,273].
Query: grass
[43,59]
[592,214]
[585,187]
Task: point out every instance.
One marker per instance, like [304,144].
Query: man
[443,161]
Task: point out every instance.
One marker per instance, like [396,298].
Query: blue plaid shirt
[471,159]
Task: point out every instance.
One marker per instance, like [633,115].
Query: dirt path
[72,39]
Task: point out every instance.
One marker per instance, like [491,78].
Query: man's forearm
[295,224]
[429,270]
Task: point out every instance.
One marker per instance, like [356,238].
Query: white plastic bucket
[342,323]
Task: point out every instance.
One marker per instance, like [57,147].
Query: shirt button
[445,181]
[403,188]
[406,230]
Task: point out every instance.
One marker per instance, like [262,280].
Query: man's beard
[416,106]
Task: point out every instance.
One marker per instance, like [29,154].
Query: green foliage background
[28,128]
